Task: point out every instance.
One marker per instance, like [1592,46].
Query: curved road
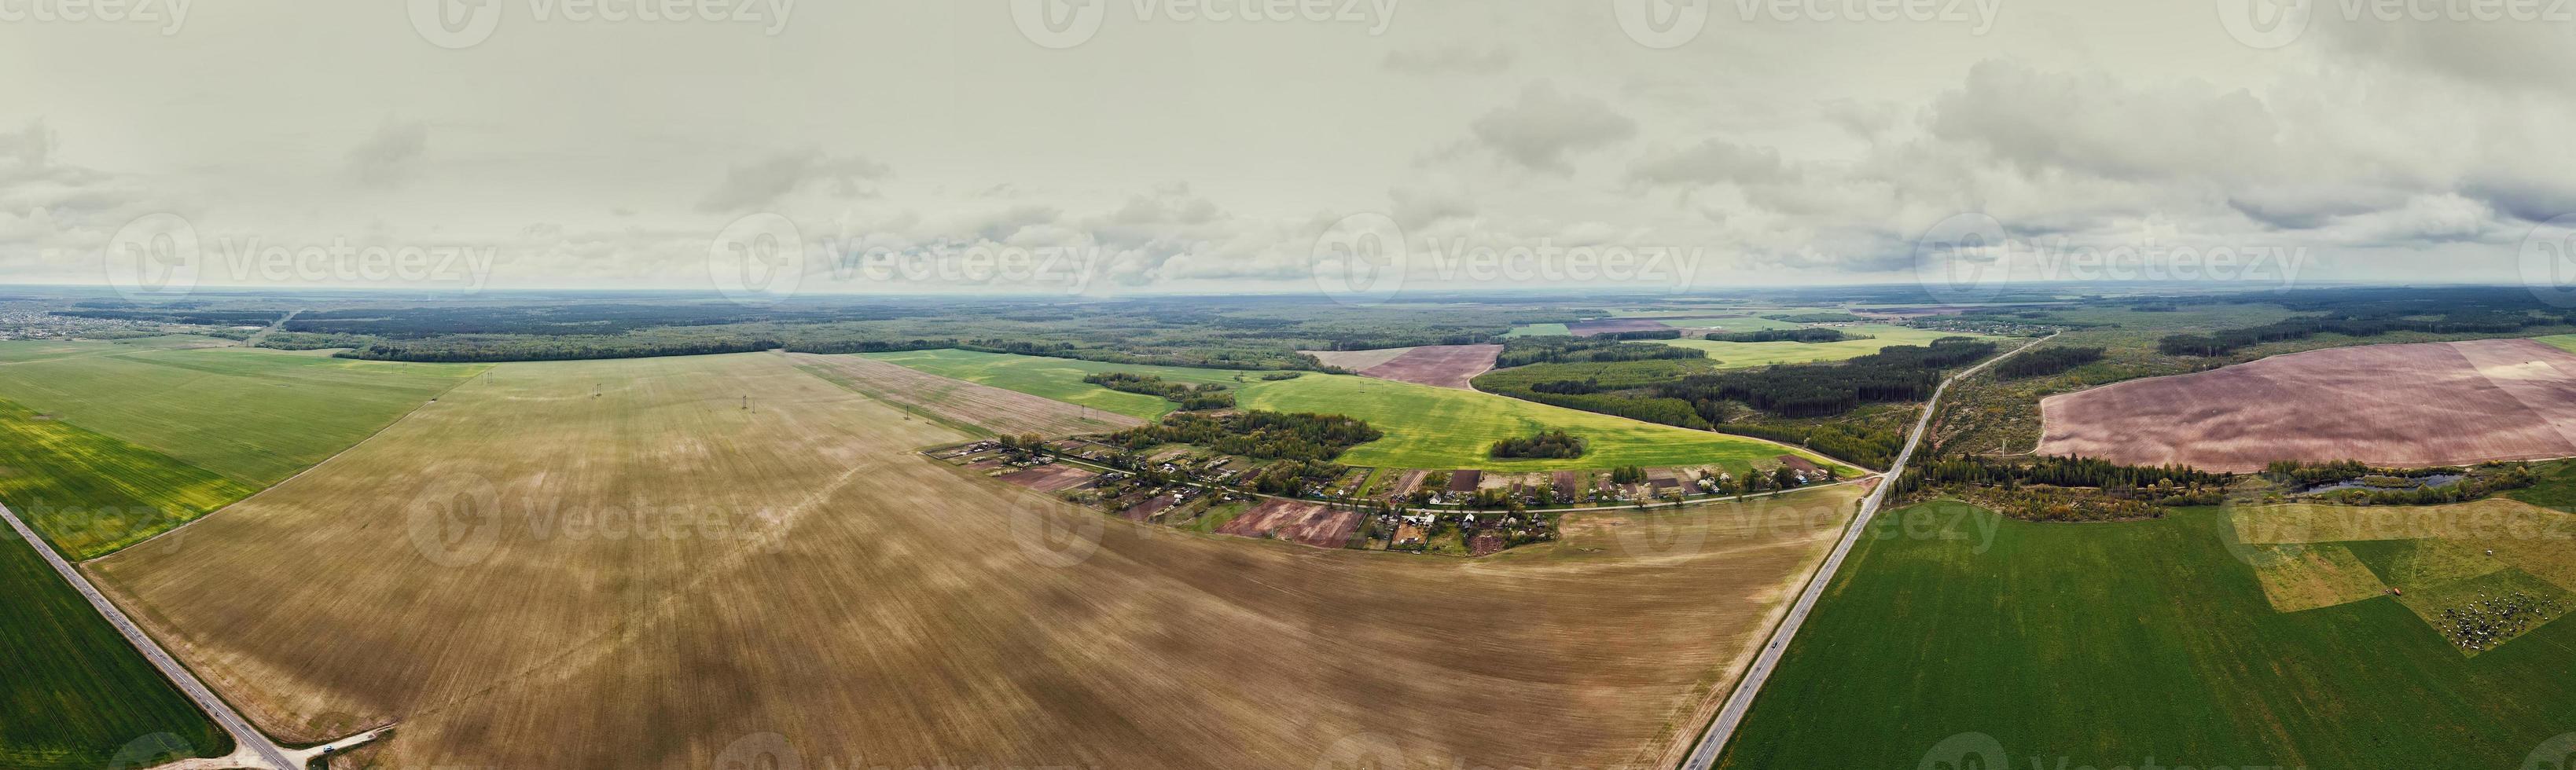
[1704,755]
[251,748]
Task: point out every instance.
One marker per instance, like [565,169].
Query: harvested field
[831,587]
[1296,521]
[1051,478]
[2426,404]
[1446,366]
[1465,480]
[2305,577]
[1004,412]
[1608,325]
[1357,360]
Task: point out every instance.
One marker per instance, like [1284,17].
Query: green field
[90,493]
[75,694]
[1539,330]
[2110,645]
[255,416]
[1057,378]
[1426,427]
[1736,355]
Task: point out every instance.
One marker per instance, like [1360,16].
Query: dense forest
[1895,373]
[1192,398]
[1523,351]
[1547,444]
[2045,361]
[1782,335]
[1256,434]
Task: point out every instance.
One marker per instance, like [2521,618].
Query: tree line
[1257,434]
[2046,361]
[1192,398]
[1547,444]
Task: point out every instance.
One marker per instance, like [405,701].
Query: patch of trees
[866,346]
[1818,318]
[2069,488]
[1256,434]
[1895,373]
[1548,444]
[2046,361]
[1192,398]
[2399,486]
[1782,335]
[2467,321]
[1523,351]
[1290,477]
[1855,443]
[1641,334]
[1628,474]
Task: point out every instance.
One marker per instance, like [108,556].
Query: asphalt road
[1704,755]
[250,747]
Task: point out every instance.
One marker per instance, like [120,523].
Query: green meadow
[2121,645]
[1737,355]
[255,416]
[76,695]
[90,493]
[1425,426]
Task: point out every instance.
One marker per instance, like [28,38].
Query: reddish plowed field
[1447,366]
[1465,480]
[1296,521]
[1144,511]
[1607,325]
[2440,403]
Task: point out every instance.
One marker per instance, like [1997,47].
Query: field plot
[1058,378]
[91,494]
[255,416]
[2068,643]
[833,587]
[1050,478]
[1426,427]
[986,408]
[1356,360]
[1594,326]
[75,693]
[2438,403]
[1738,355]
[1296,521]
[1446,366]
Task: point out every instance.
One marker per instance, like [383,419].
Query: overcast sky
[890,145]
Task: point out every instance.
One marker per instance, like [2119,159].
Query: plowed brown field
[2441,403]
[614,564]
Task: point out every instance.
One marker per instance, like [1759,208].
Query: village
[1461,512]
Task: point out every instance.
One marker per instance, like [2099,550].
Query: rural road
[1739,701]
[251,748]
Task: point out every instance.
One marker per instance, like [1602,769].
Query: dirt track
[2441,403]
